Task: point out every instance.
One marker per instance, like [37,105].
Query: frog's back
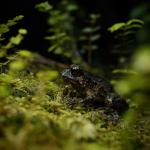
[99,82]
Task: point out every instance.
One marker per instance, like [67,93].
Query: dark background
[112,11]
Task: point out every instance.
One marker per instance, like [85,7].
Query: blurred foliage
[89,37]
[61,22]
[66,38]
[124,40]
[13,41]
[142,11]
[136,86]
[4,28]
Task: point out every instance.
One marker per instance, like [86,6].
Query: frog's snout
[63,73]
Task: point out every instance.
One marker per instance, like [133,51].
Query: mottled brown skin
[93,90]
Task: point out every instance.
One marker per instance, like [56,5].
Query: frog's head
[73,74]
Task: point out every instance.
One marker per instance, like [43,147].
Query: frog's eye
[75,70]
[74,67]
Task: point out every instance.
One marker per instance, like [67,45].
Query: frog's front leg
[69,91]
[71,97]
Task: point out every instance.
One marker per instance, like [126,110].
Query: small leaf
[17,65]
[58,50]
[47,75]
[135,21]
[87,30]
[55,37]
[72,7]
[96,28]
[53,47]
[116,27]
[124,71]
[25,53]
[141,60]
[44,7]
[16,40]
[123,87]
[95,37]
[5,27]
[23,31]
[94,16]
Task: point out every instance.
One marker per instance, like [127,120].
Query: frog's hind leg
[92,101]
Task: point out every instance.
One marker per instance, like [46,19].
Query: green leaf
[95,37]
[53,47]
[44,7]
[141,60]
[47,75]
[95,29]
[123,87]
[135,21]
[17,65]
[87,30]
[116,27]
[5,27]
[58,50]
[25,53]
[14,20]
[94,16]
[15,40]
[55,37]
[124,71]
[23,31]
[72,7]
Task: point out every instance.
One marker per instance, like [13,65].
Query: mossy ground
[34,116]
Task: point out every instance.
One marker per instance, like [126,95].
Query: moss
[37,120]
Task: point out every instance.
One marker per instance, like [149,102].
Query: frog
[93,90]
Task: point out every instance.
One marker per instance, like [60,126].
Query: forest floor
[34,116]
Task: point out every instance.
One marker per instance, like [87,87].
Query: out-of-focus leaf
[5,27]
[17,65]
[95,37]
[25,53]
[72,7]
[135,21]
[94,16]
[16,40]
[141,60]
[47,75]
[54,37]
[58,50]
[53,47]
[44,7]
[23,31]
[116,27]
[87,30]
